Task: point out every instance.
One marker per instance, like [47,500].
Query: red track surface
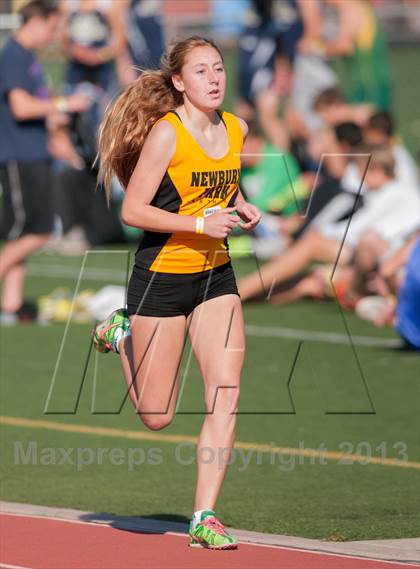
[40,543]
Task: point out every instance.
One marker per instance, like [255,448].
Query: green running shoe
[211,534]
[109,332]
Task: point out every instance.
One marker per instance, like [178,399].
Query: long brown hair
[129,119]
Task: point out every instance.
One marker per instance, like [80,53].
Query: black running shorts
[171,294]
[27,199]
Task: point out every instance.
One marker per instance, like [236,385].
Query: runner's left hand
[249,214]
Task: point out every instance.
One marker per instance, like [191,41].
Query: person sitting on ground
[337,183]
[380,129]
[330,194]
[366,279]
[397,289]
[332,107]
[390,208]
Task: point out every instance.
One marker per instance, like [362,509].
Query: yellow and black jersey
[194,184]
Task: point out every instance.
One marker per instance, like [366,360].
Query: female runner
[178,157]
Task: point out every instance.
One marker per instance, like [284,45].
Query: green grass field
[364,402]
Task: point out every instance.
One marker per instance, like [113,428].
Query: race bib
[211,210]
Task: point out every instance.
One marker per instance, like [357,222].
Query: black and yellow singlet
[198,185]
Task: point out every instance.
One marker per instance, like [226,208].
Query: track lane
[42,543]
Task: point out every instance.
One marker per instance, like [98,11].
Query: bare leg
[217,337]
[151,355]
[369,250]
[126,358]
[17,251]
[310,247]
[308,286]
[12,292]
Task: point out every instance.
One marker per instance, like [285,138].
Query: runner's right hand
[221,223]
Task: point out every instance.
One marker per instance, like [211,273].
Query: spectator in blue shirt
[25,176]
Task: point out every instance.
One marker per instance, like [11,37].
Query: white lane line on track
[7,566]
[108,525]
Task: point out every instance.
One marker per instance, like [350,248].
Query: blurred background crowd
[333,135]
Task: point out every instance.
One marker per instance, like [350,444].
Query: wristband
[60,104]
[199,225]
